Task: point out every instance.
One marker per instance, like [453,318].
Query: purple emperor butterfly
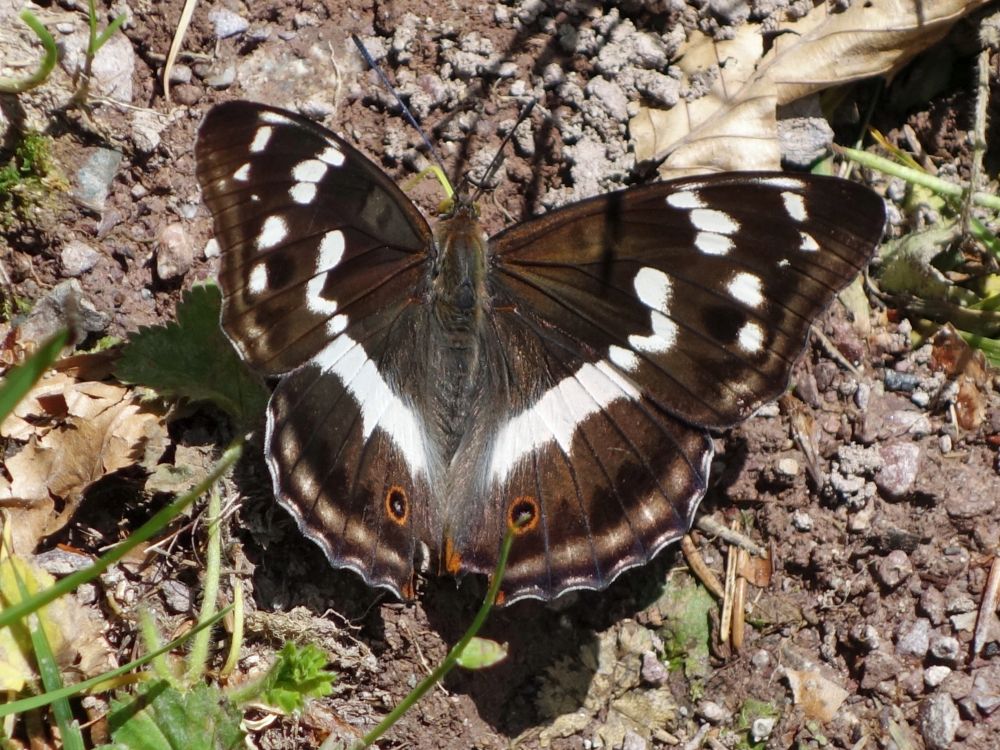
[437,384]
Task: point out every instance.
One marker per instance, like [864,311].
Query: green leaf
[686,631]
[480,653]
[193,359]
[299,673]
[163,718]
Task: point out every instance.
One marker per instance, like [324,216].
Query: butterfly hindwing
[603,476]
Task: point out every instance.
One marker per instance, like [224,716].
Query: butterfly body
[437,385]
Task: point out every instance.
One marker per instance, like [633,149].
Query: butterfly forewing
[701,290]
[570,390]
[314,236]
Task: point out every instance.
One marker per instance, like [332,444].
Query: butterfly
[561,378]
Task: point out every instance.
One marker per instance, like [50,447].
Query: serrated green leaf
[193,359]
[481,653]
[299,673]
[163,718]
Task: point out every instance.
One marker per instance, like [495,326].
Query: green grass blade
[140,535]
[19,86]
[20,379]
[38,701]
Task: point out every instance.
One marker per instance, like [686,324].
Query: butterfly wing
[658,313]
[322,265]
[301,215]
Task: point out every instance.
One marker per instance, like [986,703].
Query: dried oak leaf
[745,85]
[82,432]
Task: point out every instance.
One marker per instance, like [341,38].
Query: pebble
[61,562]
[611,96]
[900,463]
[938,721]
[761,659]
[893,569]
[227,23]
[174,253]
[222,79]
[712,712]
[653,671]
[78,257]
[788,467]
[900,381]
[945,648]
[176,596]
[802,140]
[986,689]
[913,638]
[634,741]
[862,396]
[935,675]
[932,604]
[93,179]
[959,503]
[761,728]
[802,521]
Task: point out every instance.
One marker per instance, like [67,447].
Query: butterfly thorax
[458,302]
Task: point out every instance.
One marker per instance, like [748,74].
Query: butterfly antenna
[405,110]
[495,164]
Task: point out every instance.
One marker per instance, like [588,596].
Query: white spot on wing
[795,206]
[558,413]
[711,243]
[332,156]
[336,325]
[808,244]
[315,301]
[303,192]
[273,232]
[652,286]
[258,279]
[751,338]
[685,199]
[712,220]
[785,183]
[273,118]
[662,339]
[378,404]
[745,287]
[310,170]
[243,173]
[331,250]
[260,139]
[624,358]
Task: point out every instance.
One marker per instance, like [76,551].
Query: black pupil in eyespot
[397,503]
[522,513]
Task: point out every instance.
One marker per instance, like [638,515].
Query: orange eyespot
[396,505]
[522,515]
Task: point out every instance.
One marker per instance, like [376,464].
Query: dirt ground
[880,565]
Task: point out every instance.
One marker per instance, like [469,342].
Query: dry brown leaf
[734,125]
[818,697]
[78,433]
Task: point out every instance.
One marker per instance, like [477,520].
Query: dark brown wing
[631,324]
